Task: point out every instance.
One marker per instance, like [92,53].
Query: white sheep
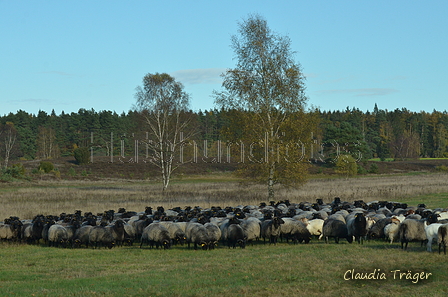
[443,215]
[431,232]
[315,227]
[391,230]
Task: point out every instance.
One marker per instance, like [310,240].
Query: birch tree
[268,84]
[8,134]
[164,105]
[47,146]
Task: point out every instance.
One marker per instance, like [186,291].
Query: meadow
[314,269]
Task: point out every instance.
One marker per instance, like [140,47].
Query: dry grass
[49,197]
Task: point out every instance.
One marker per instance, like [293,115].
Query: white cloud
[199,76]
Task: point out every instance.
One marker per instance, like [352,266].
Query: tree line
[399,134]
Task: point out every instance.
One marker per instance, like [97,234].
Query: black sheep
[357,227]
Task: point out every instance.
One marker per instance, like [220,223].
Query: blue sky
[67,55]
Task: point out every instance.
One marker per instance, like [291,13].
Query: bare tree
[47,146]
[9,137]
[406,145]
[164,104]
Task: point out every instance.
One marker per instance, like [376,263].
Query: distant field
[27,199]
[385,160]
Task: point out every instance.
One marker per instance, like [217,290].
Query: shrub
[57,173]
[361,169]
[373,168]
[442,168]
[6,177]
[46,166]
[81,155]
[346,165]
[71,171]
[13,172]
[19,169]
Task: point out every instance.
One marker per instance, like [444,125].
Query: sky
[67,55]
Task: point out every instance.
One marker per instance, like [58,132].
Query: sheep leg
[429,246]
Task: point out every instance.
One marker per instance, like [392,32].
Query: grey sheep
[442,238]
[295,230]
[377,230]
[320,214]
[225,227]
[252,228]
[130,234]
[118,232]
[414,230]
[101,236]
[304,214]
[271,229]
[411,230]
[236,236]
[45,229]
[182,225]
[337,229]
[214,235]
[156,234]
[57,235]
[198,235]
[177,235]
[82,236]
[337,216]
[10,230]
[71,229]
[140,225]
[7,232]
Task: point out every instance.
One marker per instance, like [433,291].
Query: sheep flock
[209,228]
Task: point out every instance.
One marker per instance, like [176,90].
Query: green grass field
[315,269]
